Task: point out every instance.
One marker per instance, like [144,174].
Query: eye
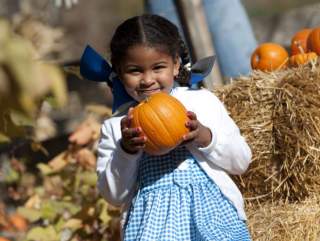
[159,67]
[134,71]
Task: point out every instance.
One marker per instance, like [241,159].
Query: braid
[184,72]
[184,52]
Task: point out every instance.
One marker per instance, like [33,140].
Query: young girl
[185,194]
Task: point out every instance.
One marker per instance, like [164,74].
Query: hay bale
[250,102]
[278,113]
[297,133]
[285,222]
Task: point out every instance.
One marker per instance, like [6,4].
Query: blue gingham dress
[180,203]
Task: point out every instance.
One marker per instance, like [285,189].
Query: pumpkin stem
[299,47]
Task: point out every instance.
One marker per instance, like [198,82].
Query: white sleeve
[116,169]
[228,148]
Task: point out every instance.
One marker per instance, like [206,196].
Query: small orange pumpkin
[300,59]
[313,41]
[299,41]
[269,57]
[162,118]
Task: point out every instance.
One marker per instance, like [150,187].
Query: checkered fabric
[180,203]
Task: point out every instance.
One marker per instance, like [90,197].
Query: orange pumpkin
[162,119]
[269,57]
[299,41]
[300,59]
[313,41]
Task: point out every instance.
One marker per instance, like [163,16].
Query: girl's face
[146,70]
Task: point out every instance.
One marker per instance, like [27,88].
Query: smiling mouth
[148,91]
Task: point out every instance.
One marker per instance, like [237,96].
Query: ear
[176,66]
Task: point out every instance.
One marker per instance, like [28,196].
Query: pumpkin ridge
[164,128]
[179,109]
[151,144]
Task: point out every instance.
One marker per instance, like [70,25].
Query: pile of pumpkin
[304,48]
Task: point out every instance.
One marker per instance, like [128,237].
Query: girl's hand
[132,139]
[199,135]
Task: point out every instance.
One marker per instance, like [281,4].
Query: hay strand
[285,222]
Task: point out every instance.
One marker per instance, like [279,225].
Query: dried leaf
[59,162]
[5,34]
[33,202]
[100,110]
[89,178]
[20,119]
[45,169]
[73,224]
[4,138]
[58,86]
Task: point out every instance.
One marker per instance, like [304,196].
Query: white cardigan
[228,152]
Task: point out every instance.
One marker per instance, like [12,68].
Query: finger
[130,111]
[131,132]
[192,125]
[139,141]
[191,115]
[134,144]
[130,116]
[125,122]
[190,136]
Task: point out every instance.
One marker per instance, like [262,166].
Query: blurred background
[93,22]
[58,31]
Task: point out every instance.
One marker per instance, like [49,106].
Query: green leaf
[49,210]
[29,213]
[89,178]
[59,224]
[71,207]
[43,234]
[84,190]
[104,216]
[8,128]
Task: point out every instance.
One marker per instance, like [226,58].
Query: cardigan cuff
[209,149]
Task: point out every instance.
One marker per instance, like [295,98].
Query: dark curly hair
[154,31]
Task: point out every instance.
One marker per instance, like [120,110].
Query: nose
[147,79]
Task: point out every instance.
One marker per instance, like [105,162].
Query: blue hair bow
[94,67]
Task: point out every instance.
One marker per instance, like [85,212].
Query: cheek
[129,82]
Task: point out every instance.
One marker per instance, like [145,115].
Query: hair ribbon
[94,67]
